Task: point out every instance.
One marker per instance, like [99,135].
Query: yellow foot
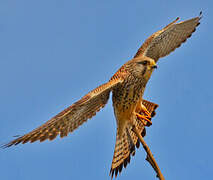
[146,112]
[144,117]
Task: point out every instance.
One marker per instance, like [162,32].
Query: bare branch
[150,158]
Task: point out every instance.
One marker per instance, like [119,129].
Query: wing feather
[72,117]
[165,41]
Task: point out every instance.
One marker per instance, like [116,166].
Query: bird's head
[142,67]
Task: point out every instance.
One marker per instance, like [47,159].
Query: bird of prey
[127,86]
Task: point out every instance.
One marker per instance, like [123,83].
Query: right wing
[73,116]
[163,42]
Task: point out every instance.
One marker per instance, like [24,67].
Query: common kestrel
[127,86]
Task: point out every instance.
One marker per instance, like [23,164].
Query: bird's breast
[127,94]
[125,99]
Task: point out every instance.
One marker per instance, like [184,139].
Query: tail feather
[124,148]
[125,145]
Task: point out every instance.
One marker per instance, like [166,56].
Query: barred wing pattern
[72,117]
[156,46]
[163,42]
[125,146]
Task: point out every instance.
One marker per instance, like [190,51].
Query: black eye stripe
[143,62]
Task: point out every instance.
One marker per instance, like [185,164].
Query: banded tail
[125,145]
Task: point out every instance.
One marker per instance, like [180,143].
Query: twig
[150,158]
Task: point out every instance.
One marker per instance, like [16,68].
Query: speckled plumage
[127,86]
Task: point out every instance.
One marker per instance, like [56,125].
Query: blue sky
[54,52]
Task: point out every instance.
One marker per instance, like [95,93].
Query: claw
[146,112]
[142,117]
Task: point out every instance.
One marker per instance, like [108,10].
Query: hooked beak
[155,66]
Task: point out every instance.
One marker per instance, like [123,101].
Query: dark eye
[143,63]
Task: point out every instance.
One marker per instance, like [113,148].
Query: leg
[143,114]
[142,118]
[143,109]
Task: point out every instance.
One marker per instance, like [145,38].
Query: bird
[127,86]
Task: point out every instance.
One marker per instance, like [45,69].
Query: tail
[125,145]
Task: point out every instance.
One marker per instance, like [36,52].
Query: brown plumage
[168,39]
[127,86]
[125,145]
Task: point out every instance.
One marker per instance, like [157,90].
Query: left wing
[163,42]
[72,117]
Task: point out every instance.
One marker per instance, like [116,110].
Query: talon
[142,117]
[146,112]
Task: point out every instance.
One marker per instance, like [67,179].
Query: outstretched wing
[72,117]
[168,39]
